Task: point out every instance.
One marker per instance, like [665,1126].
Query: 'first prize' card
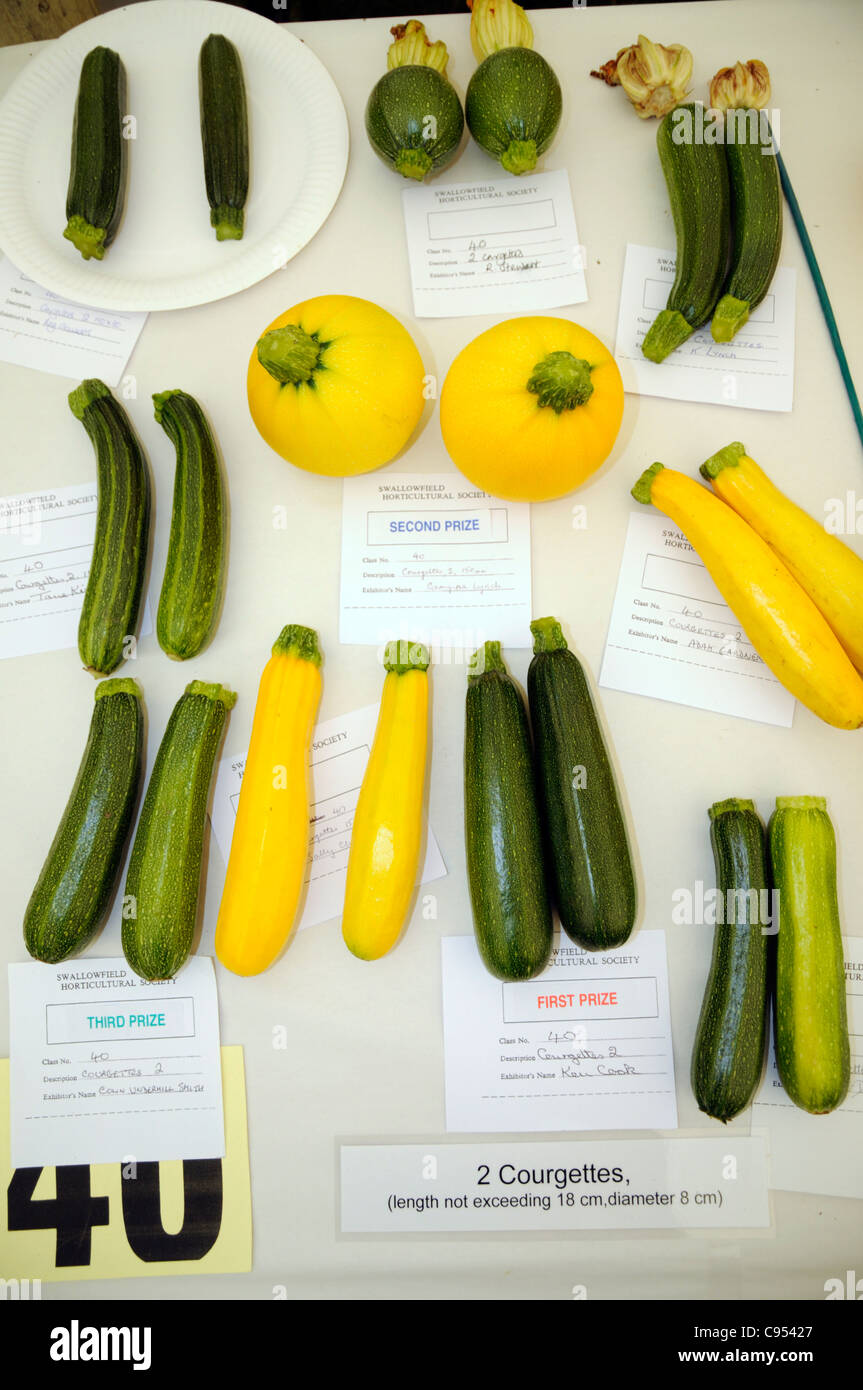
[106,1066]
[584,1045]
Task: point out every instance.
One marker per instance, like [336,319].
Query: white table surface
[364,1055]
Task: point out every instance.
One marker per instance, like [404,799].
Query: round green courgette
[73,892]
[503,840]
[513,106]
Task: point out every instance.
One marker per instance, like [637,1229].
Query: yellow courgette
[387,829]
[829,571]
[777,615]
[269,849]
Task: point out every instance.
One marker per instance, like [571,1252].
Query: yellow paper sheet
[206,1230]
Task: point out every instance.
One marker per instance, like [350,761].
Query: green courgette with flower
[756,194]
[514,101]
[414,119]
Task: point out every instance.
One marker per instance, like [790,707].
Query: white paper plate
[165,255]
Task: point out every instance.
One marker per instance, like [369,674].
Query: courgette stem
[86,238]
[641,491]
[85,394]
[118,685]
[485,658]
[548,635]
[402,657]
[289,354]
[519,157]
[729,457]
[731,803]
[561,380]
[213,691]
[801,803]
[413,164]
[295,640]
[729,316]
[228,222]
[668,330]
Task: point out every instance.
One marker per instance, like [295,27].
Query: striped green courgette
[696,175]
[115,585]
[503,839]
[224,135]
[194,569]
[811,1021]
[74,889]
[97,176]
[756,207]
[160,904]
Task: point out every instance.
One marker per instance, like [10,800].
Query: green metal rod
[821,289]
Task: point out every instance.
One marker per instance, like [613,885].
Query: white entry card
[755,370]
[432,559]
[105,1066]
[672,636]
[41,329]
[584,1045]
[819,1153]
[501,246]
[46,542]
[340,751]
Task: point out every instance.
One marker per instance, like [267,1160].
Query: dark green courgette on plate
[730,1042]
[756,214]
[160,902]
[503,840]
[97,176]
[588,847]
[813,1053]
[74,889]
[115,584]
[224,135]
[696,174]
[194,569]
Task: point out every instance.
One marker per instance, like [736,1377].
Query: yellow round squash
[531,408]
[336,385]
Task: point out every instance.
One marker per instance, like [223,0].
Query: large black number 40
[74,1211]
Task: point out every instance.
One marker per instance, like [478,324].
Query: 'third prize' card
[584,1045]
[755,370]
[500,246]
[41,329]
[819,1153]
[672,636]
[46,543]
[106,1066]
[340,751]
[433,559]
